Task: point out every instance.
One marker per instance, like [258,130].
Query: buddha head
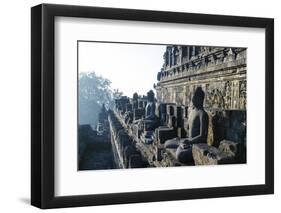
[150,96]
[198,98]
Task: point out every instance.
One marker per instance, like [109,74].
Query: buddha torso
[198,119]
[150,111]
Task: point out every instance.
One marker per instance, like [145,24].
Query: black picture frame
[43,110]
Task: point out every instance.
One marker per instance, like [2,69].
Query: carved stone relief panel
[228,95]
[243,94]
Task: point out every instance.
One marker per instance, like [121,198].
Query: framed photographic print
[140,106]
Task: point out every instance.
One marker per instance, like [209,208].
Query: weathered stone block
[136,130]
[165,133]
[159,150]
[203,154]
[226,124]
[229,147]
[227,153]
[139,113]
[210,138]
[233,149]
[135,161]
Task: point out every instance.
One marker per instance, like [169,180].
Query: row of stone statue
[197,128]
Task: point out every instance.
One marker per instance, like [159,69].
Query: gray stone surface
[203,154]
[227,153]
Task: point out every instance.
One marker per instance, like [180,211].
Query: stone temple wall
[221,72]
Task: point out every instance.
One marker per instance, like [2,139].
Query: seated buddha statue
[198,121]
[150,120]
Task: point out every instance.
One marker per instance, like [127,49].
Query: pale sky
[130,67]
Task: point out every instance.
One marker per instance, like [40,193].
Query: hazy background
[109,70]
[130,67]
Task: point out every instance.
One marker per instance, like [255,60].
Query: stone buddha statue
[135,100]
[149,122]
[150,119]
[198,121]
[150,106]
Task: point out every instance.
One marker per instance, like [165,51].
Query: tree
[94,91]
